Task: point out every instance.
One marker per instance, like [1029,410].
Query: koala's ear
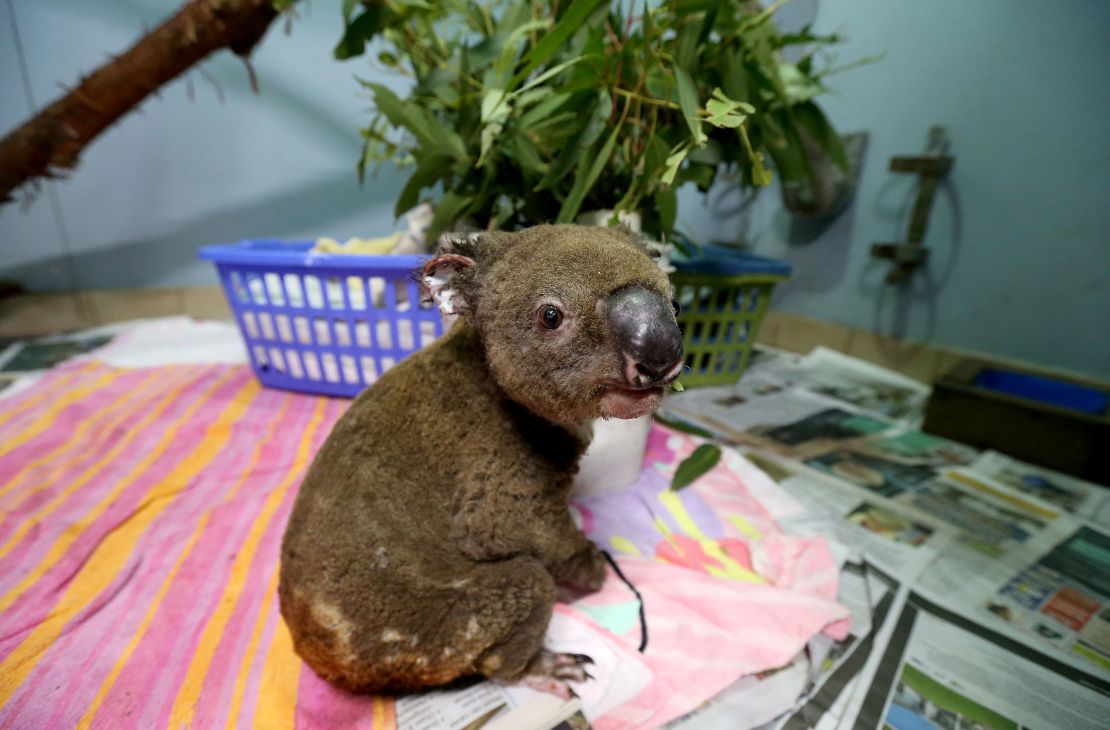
[659,252]
[462,244]
[440,279]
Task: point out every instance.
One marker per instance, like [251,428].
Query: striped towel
[141,513]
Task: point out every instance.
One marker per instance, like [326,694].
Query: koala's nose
[642,324]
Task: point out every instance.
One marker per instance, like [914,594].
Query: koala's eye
[551,317]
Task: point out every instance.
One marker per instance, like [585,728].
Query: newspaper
[40,355]
[940,669]
[488,706]
[826,377]
[824,705]
[997,573]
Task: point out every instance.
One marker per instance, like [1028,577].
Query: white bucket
[615,456]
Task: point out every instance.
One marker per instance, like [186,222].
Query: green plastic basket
[723,297]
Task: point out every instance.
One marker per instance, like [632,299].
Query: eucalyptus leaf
[543,110]
[427,172]
[704,458]
[666,205]
[361,29]
[688,100]
[717,107]
[418,120]
[686,43]
[493,105]
[550,73]
[761,176]
[811,119]
[670,169]
[489,134]
[578,11]
[596,117]
[450,208]
[732,104]
[563,119]
[523,151]
[519,26]
[734,77]
[583,182]
[798,86]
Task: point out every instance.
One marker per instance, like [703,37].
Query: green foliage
[522,112]
[704,458]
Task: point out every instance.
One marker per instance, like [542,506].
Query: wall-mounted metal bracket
[932,166]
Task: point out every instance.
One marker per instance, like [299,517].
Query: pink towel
[726,593]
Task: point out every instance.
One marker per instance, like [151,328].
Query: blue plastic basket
[328,324]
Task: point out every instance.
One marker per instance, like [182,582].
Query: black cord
[643,620]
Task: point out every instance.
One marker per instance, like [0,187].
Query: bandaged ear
[441,278]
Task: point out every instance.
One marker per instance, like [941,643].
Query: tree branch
[52,140]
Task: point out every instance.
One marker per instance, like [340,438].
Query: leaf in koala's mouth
[678,386]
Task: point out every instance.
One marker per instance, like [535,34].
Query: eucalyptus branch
[665,103]
[52,141]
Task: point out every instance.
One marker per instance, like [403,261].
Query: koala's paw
[552,673]
[586,569]
[567,667]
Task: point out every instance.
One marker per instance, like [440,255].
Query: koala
[431,529]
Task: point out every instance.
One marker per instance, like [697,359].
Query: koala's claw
[566,667]
[561,659]
[552,672]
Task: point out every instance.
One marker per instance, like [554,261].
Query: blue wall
[1020,236]
[1021,260]
[184,172]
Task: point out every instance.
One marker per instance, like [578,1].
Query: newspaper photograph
[860,384]
[1083,499]
[918,448]
[894,539]
[882,476]
[987,525]
[890,464]
[816,433]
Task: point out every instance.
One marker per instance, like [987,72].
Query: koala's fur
[429,532]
